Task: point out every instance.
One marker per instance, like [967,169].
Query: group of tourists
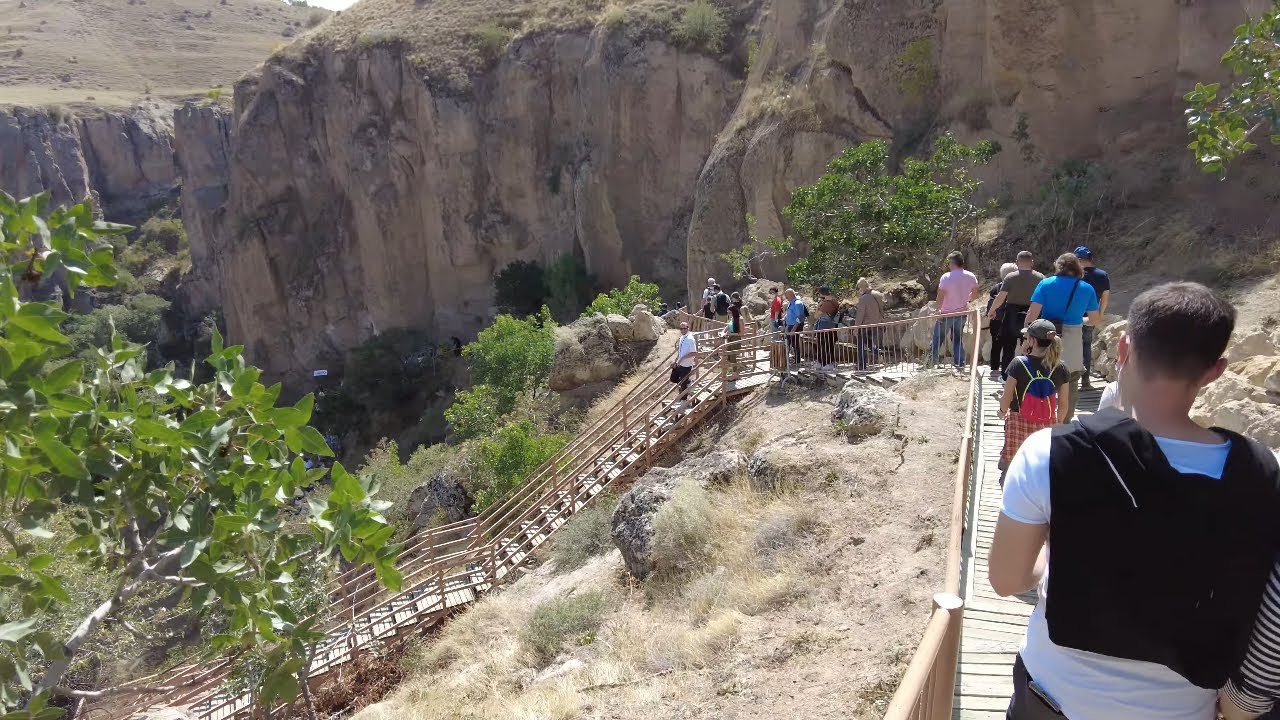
[1161,596]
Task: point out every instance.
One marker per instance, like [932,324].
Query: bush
[621,301]
[512,356]
[137,320]
[563,619]
[684,530]
[388,368]
[213,95]
[474,412]
[168,233]
[586,535]
[316,17]
[492,40]
[702,26]
[569,287]
[520,288]
[509,456]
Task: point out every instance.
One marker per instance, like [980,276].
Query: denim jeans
[1088,348]
[868,347]
[954,325]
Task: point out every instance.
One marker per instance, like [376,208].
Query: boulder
[864,410]
[1255,343]
[908,294]
[438,501]
[632,521]
[1234,402]
[619,327]
[586,352]
[673,318]
[756,296]
[1106,347]
[1261,371]
[644,326]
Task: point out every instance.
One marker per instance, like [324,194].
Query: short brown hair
[1180,329]
[1025,255]
[1068,264]
[956,257]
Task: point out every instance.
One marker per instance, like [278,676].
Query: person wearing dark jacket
[1002,348]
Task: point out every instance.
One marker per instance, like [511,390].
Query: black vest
[1146,563]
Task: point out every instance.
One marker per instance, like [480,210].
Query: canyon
[353,187]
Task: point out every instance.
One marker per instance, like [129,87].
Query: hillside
[113,53]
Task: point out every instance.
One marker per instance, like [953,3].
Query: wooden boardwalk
[993,626]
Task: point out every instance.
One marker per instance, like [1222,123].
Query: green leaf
[17,630]
[281,684]
[389,574]
[62,457]
[230,523]
[346,488]
[190,551]
[40,562]
[64,376]
[313,442]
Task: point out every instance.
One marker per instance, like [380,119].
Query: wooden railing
[447,567]
[927,689]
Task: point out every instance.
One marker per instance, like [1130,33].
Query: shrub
[520,288]
[315,18]
[213,95]
[684,530]
[586,535]
[702,26]
[560,620]
[613,16]
[474,412]
[168,233]
[918,73]
[509,456]
[569,287]
[621,301]
[59,114]
[492,40]
[388,369]
[137,320]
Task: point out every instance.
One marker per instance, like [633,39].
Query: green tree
[162,482]
[621,301]
[389,368]
[474,412]
[511,356]
[1223,123]
[861,215]
[569,287]
[520,288]
[510,455]
[746,259]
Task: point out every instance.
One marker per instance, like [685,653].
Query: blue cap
[1084,253]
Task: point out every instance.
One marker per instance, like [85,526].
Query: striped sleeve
[1255,687]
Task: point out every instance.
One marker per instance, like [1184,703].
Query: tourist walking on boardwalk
[826,342]
[1000,354]
[1066,301]
[735,330]
[721,302]
[1034,393]
[708,299]
[686,358]
[775,309]
[870,311]
[1014,300]
[956,289]
[1100,281]
[793,318]
[1163,534]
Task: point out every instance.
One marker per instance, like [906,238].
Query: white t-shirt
[687,350]
[1110,397]
[1089,686]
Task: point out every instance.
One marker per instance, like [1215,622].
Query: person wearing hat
[1101,283]
[1036,389]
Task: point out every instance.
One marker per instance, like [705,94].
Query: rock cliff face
[123,160]
[358,200]
[1098,79]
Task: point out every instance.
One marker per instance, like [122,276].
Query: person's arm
[1252,690]
[977,290]
[1017,560]
[1103,301]
[997,304]
[1094,318]
[1006,400]
[1064,402]
[1033,313]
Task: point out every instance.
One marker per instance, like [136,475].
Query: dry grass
[774,97]
[450,40]
[111,50]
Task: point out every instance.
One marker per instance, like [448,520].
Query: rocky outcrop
[599,349]
[439,501]
[123,160]
[863,410]
[203,150]
[632,523]
[360,198]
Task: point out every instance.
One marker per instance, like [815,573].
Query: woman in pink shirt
[956,289]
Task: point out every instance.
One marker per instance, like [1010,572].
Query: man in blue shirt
[794,320]
[1065,299]
[1100,281]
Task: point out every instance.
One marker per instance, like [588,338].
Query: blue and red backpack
[1039,402]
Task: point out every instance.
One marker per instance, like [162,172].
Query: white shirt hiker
[686,350]
[1089,686]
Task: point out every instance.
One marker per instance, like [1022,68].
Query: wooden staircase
[449,567]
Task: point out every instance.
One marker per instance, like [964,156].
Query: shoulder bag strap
[1071,297]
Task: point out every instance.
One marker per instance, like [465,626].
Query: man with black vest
[1162,534]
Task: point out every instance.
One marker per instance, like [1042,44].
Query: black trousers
[1004,336]
[1025,703]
